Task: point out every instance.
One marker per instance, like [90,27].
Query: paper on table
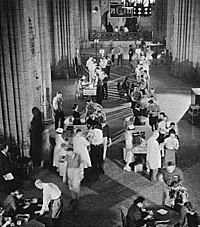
[8,176]
[162,211]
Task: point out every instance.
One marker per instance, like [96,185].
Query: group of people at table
[99,73]
[81,146]
[161,148]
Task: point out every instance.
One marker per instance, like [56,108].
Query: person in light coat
[153,155]
[129,156]
[59,140]
[80,146]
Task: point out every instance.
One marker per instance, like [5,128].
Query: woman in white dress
[153,155]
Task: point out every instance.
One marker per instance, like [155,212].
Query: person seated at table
[13,202]
[169,174]
[126,85]
[135,216]
[76,115]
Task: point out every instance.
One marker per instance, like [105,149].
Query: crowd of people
[78,149]
[161,147]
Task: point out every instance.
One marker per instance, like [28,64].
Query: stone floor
[102,198]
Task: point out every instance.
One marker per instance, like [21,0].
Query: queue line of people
[161,148]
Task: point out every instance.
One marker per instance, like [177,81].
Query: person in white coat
[80,146]
[153,155]
[129,156]
[59,140]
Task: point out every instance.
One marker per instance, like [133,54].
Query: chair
[124,223]
[193,113]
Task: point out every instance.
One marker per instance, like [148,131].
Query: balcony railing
[120,36]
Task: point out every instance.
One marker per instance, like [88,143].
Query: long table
[168,214]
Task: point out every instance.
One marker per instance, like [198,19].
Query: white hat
[59,130]
[131,127]
[83,77]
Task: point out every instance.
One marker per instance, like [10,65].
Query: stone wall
[25,67]
[183,39]
[36,36]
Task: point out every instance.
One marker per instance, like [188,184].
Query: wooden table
[171,215]
[90,91]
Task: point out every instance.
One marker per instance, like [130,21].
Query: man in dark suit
[6,177]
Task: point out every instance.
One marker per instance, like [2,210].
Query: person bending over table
[136,217]
[13,203]
[52,197]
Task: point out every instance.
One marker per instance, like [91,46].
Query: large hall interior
[99,113]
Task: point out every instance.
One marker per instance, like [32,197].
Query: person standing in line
[113,56]
[130,52]
[73,174]
[76,115]
[106,137]
[153,110]
[120,55]
[108,65]
[96,153]
[171,145]
[153,155]
[58,111]
[100,93]
[80,146]
[109,27]
[51,201]
[6,177]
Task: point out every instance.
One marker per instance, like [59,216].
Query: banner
[118,10]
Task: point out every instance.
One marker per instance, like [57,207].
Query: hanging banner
[117,10]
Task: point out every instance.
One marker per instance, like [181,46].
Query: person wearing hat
[51,201]
[59,140]
[129,156]
[73,174]
[169,174]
